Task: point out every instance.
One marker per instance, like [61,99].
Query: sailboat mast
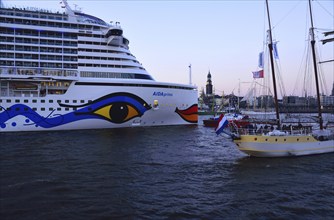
[315,68]
[270,46]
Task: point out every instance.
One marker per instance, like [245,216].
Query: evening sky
[223,37]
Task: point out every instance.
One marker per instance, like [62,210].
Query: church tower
[209,85]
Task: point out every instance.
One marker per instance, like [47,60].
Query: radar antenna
[65,5]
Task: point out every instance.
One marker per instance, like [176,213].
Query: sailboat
[282,143]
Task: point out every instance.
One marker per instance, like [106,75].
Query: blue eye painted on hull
[116,108]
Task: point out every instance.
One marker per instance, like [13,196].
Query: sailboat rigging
[280,142]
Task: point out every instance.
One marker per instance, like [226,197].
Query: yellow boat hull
[282,146]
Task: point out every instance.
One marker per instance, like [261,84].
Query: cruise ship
[70,70]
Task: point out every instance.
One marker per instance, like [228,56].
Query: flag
[261,60]
[258,74]
[222,123]
[275,50]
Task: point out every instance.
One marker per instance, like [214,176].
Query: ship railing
[271,131]
[40,73]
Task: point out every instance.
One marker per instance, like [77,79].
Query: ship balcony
[115,40]
[114,36]
[114,31]
[38,73]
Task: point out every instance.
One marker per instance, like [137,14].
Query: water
[176,172]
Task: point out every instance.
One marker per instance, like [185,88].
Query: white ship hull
[67,112]
[283,146]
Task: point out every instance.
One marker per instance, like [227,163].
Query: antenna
[68,9]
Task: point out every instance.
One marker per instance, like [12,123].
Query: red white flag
[258,74]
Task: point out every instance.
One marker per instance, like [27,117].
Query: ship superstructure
[71,70]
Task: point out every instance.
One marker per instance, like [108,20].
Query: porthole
[255,139]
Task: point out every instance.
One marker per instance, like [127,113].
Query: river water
[174,172]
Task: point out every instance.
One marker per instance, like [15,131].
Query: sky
[224,37]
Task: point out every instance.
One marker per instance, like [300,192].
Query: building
[209,84]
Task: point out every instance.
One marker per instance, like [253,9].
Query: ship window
[58,109]
[43,101]
[34,100]
[67,101]
[17,100]
[74,101]
[51,101]
[9,101]
[67,109]
[82,101]
[42,109]
[25,101]
[8,109]
[297,139]
[26,109]
[58,101]
[17,109]
[50,109]
[34,109]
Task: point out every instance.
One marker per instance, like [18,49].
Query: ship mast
[190,74]
[270,46]
[315,68]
